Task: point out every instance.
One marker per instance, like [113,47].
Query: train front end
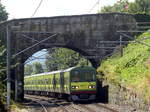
[83,84]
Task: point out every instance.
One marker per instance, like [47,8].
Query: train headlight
[74,87]
[77,87]
[91,86]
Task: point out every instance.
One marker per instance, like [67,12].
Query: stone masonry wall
[127,98]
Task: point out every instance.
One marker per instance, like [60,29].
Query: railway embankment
[128,76]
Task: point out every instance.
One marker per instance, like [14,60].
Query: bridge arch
[91,59]
[81,33]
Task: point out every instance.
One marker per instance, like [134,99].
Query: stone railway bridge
[81,33]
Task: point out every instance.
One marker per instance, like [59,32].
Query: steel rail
[35,100]
[53,102]
[77,107]
[85,107]
[44,108]
[106,107]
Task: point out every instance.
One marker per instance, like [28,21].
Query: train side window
[39,81]
[49,81]
[36,82]
[56,80]
[32,82]
[46,81]
[42,82]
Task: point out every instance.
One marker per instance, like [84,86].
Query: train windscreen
[80,76]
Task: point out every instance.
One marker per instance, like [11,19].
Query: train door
[54,83]
[62,82]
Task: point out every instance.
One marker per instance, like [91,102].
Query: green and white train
[76,83]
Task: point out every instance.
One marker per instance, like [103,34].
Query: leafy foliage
[2,73]
[120,6]
[56,59]
[62,58]
[3,17]
[3,13]
[37,68]
[139,6]
[132,70]
[28,69]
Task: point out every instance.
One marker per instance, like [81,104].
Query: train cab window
[76,76]
[79,76]
[89,75]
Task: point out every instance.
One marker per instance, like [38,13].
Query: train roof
[53,72]
[69,69]
[46,73]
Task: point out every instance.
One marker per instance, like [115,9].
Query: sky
[25,8]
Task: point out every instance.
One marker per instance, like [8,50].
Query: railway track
[64,106]
[43,107]
[60,104]
[35,102]
[106,107]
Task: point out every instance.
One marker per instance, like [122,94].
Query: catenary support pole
[8,68]
[121,46]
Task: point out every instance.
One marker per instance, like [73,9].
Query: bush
[132,70]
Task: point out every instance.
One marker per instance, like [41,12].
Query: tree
[3,17]
[139,6]
[37,68]
[2,74]
[3,13]
[142,6]
[28,69]
[2,60]
[62,58]
[120,6]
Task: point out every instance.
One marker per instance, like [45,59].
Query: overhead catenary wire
[37,8]
[97,3]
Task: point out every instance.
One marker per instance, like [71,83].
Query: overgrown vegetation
[2,74]
[62,58]
[56,59]
[132,70]
[33,68]
[138,6]
[3,16]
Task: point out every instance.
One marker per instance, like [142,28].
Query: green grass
[132,70]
